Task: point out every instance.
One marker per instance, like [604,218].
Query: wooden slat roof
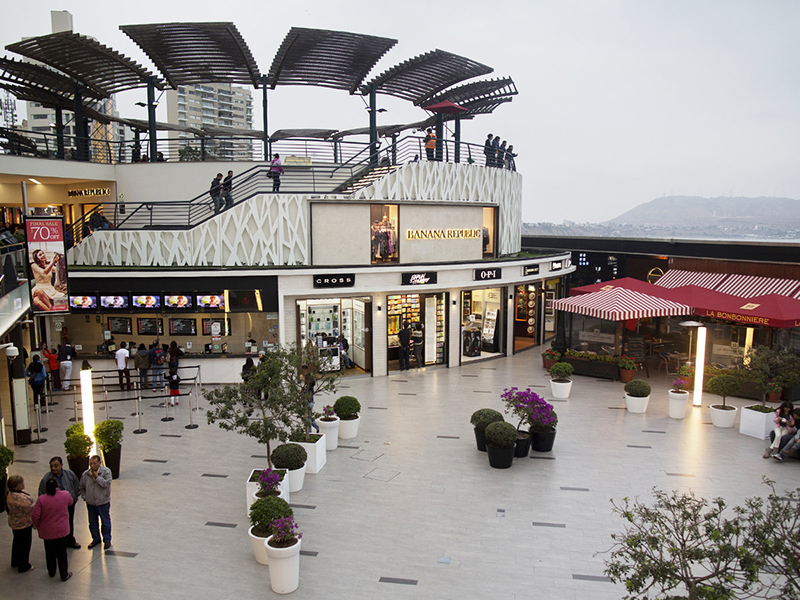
[100,68]
[478,90]
[420,78]
[191,53]
[333,59]
[485,105]
[51,100]
[31,74]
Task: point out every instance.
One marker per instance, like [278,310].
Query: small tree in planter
[263,513]
[766,367]
[78,446]
[347,408]
[481,419]
[637,395]
[561,379]
[723,415]
[501,437]
[680,544]
[519,404]
[108,434]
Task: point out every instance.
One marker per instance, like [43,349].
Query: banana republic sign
[88,192]
[443,234]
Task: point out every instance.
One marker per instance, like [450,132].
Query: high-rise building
[210,105]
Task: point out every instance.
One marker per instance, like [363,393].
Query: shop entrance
[482,320]
[341,326]
[424,313]
[527,322]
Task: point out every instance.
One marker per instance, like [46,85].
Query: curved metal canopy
[419,79]
[102,69]
[333,59]
[50,99]
[190,53]
[485,106]
[30,74]
[478,90]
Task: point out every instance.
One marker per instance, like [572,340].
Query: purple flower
[269,480]
[284,530]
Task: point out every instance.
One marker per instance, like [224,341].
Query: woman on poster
[43,290]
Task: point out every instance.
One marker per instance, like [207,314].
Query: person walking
[430,144]
[65,356]
[417,337]
[51,518]
[215,191]
[141,362]
[65,480]
[52,363]
[275,172]
[157,358]
[227,189]
[404,336]
[121,356]
[488,151]
[20,508]
[96,492]
[37,377]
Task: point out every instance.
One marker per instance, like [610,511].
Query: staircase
[365,178]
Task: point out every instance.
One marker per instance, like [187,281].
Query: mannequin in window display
[384,241]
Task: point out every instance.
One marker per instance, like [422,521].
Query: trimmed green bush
[265,510]
[723,385]
[78,445]
[638,388]
[561,372]
[501,434]
[6,458]
[483,417]
[289,456]
[109,434]
[75,428]
[347,408]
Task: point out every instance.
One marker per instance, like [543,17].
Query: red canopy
[446,107]
[773,310]
[627,283]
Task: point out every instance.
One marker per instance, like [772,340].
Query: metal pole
[439,135]
[59,132]
[75,409]
[394,149]
[105,395]
[151,117]
[373,126]
[166,418]
[39,429]
[191,424]
[81,143]
[139,414]
[266,123]
[24,199]
[457,153]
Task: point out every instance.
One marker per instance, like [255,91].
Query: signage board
[556,265]
[47,265]
[528,270]
[422,278]
[488,274]
[340,280]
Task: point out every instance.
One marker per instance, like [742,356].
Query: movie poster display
[47,265]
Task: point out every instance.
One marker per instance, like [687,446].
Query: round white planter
[348,429]
[331,431]
[677,404]
[259,550]
[560,390]
[284,493]
[284,567]
[723,418]
[636,404]
[296,478]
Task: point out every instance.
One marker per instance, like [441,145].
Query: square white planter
[250,489]
[316,455]
[756,424]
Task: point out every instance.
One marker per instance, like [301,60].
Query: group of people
[53,512]
[785,436]
[410,340]
[150,363]
[498,154]
[221,190]
[59,369]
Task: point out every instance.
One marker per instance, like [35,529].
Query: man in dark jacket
[489,151]
[227,189]
[216,192]
[405,346]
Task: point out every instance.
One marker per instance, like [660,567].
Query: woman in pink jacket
[784,423]
[51,519]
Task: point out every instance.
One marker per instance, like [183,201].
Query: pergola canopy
[480,97]
[27,74]
[52,100]
[191,53]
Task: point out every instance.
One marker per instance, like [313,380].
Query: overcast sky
[620,101]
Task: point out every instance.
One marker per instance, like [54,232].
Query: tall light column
[87,406]
[699,366]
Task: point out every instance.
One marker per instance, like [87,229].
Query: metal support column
[457,153]
[394,148]
[267,148]
[439,135]
[373,126]
[151,118]
[59,132]
[81,135]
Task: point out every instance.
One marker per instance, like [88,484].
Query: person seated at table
[784,424]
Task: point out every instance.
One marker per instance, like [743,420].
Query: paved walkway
[409,509]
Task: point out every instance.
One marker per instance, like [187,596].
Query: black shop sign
[488,274]
[424,278]
[335,281]
[528,270]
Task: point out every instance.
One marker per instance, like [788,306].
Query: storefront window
[481,323]
[590,334]
[384,238]
[525,316]
[425,310]
[488,232]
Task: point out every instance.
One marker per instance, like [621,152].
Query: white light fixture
[87,406]
[34,181]
[699,366]
[748,344]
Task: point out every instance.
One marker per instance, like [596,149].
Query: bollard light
[87,406]
[699,366]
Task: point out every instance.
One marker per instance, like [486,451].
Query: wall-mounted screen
[211,301]
[150,326]
[224,326]
[147,301]
[183,326]
[83,302]
[114,301]
[244,300]
[178,301]
[119,325]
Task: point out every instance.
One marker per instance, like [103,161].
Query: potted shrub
[637,395]
[6,458]
[108,435]
[627,368]
[560,379]
[677,398]
[773,391]
[78,446]
[519,404]
[270,482]
[291,457]
[329,425]
[283,549]
[347,408]
[686,372]
[550,357]
[501,438]
[543,421]
[480,419]
[723,415]
[263,513]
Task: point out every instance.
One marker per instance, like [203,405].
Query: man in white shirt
[122,365]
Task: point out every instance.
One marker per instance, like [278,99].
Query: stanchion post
[138,414]
[191,424]
[105,396]
[167,418]
[75,410]
[39,429]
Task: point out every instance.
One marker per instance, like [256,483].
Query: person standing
[96,491]
[430,144]
[501,155]
[173,353]
[52,360]
[121,356]
[215,191]
[65,356]
[344,348]
[488,151]
[174,386]
[404,336]
[51,518]
[69,482]
[510,156]
[416,335]
[227,189]
[157,359]
[275,172]
[495,150]
[141,361]
[37,377]
[20,508]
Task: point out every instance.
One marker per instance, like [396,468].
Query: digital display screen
[114,301]
[224,329]
[147,301]
[150,326]
[119,325]
[178,301]
[183,327]
[83,301]
[211,301]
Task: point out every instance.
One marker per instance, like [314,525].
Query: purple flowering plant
[328,413]
[679,385]
[269,480]
[530,408]
[284,532]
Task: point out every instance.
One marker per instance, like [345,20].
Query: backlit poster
[47,265]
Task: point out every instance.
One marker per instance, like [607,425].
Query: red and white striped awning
[676,278]
[748,286]
[619,304]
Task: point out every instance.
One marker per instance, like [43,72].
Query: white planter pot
[331,431]
[756,424]
[284,493]
[723,418]
[259,548]
[635,404]
[296,477]
[348,429]
[677,404]
[316,455]
[252,488]
[284,568]
[560,390]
